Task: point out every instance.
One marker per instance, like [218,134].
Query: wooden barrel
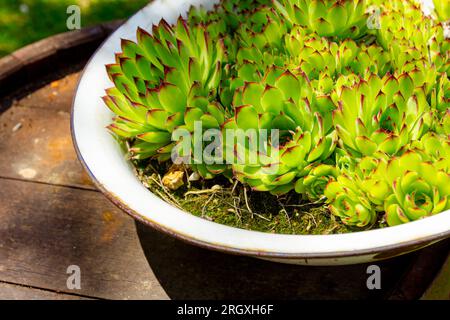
[52,217]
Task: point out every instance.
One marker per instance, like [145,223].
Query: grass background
[25,21]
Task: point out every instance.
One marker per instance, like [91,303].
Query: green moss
[223,201]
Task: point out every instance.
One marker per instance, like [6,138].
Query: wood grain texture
[57,95]
[51,217]
[31,62]
[47,225]
[8,66]
[36,145]
[44,229]
[15,292]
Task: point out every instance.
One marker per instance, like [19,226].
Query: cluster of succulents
[442,9]
[362,113]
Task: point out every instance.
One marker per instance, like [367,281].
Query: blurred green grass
[25,21]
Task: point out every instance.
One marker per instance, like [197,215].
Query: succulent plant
[440,99]
[313,184]
[258,44]
[282,103]
[406,188]
[442,9]
[442,124]
[370,173]
[340,19]
[164,82]
[329,64]
[315,102]
[231,16]
[228,13]
[419,189]
[434,148]
[322,60]
[400,20]
[312,53]
[381,114]
[410,36]
[347,201]
[264,28]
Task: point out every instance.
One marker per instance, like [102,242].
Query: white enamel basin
[112,173]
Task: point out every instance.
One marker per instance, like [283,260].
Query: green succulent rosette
[166,81]
[337,19]
[442,8]
[228,13]
[442,123]
[314,183]
[313,54]
[260,43]
[315,99]
[420,189]
[317,55]
[322,60]
[434,148]
[405,188]
[403,21]
[264,29]
[381,114]
[411,37]
[347,201]
[331,65]
[282,103]
[440,98]
[367,172]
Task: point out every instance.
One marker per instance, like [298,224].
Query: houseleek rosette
[381,114]
[322,60]
[165,81]
[264,29]
[420,189]
[340,19]
[347,201]
[410,36]
[406,188]
[317,55]
[229,16]
[230,13]
[304,137]
[318,176]
[440,99]
[442,8]
[313,54]
[315,102]
[326,62]
[434,148]
[260,45]
[356,194]
[442,123]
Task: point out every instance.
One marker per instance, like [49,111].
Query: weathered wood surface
[44,229]
[51,217]
[15,292]
[35,140]
[50,54]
